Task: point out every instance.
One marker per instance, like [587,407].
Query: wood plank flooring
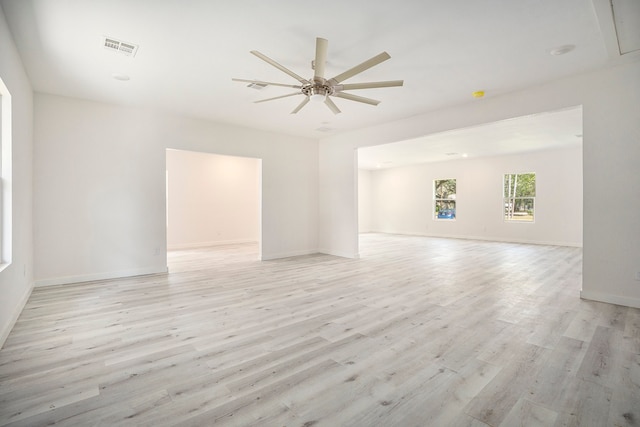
[418,332]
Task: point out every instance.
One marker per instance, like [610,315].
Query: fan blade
[369,85]
[278,97]
[302,104]
[279,67]
[321,59]
[356,98]
[260,82]
[333,107]
[360,68]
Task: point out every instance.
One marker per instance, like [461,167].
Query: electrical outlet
[637,275]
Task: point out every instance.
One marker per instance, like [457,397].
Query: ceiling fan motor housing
[317,89]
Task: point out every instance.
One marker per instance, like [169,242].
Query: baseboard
[523,241]
[278,255]
[485,238]
[350,255]
[6,330]
[208,244]
[100,276]
[610,299]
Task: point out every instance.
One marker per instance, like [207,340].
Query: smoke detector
[115,45]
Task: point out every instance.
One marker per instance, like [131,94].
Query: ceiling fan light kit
[317,92]
[320,89]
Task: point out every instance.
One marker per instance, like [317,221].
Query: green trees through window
[444,195]
[519,196]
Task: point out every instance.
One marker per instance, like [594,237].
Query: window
[519,196]
[5,176]
[444,196]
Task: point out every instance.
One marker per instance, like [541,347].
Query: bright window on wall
[519,196]
[444,199]
[5,176]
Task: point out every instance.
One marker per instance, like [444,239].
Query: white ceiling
[190,49]
[551,130]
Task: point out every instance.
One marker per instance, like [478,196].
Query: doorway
[397,182]
[213,201]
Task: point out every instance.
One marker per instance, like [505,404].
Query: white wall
[212,199]
[99,187]
[16,281]
[338,200]
[402,198]
[366,210]
[611,154]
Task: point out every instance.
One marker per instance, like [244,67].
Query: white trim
[610,299]
[100,276]
[485,239]
[350,255]
[287,254]
[6,174]
[4,334]
[205,244]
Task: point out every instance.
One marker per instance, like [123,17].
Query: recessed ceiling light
[120,76]
[465,155]
[561,50]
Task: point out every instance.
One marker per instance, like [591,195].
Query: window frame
[448,200]
[6,216]
[511,200]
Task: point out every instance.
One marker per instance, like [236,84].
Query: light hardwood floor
[418,332]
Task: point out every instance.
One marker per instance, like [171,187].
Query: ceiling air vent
[115,45]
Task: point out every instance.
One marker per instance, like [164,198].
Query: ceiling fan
[322,89]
